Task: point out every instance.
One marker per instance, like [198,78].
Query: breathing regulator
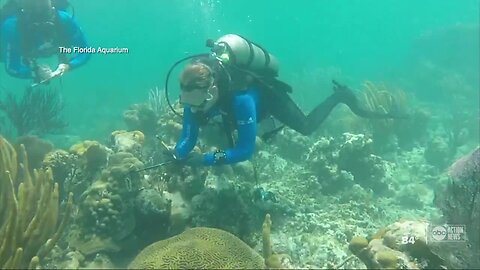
[237,52]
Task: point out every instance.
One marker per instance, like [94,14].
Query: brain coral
[199,248]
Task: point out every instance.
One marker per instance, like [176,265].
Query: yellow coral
[387,259]
[135,135]
[29,210]
[93,153]
[138,136]
[267,244]
[127,141]
[380,233]
[82,147]
[379,98]
[51,157]
[357,244]
[199,248]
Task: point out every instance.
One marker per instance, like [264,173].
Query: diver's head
[38,11]
[198,87]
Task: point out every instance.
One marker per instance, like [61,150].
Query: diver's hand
[42,73]
[61,69]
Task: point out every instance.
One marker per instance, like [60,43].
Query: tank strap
[267,56]
[265,53]
[251,53]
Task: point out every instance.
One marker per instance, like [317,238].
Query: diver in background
[35,29]
[237,81]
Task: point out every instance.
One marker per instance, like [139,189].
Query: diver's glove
[42,73]
[61,69]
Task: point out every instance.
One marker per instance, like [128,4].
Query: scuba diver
[32,29]
[237,81]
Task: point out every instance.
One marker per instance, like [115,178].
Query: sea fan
[37,112]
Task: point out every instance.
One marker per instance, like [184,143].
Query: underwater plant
[29,210]
[380,98]
[37,112]
[155,101]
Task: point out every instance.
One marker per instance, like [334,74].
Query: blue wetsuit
[11,44]
[245,109]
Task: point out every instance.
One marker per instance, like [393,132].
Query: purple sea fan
[467,167]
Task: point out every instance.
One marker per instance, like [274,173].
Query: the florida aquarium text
[93,50]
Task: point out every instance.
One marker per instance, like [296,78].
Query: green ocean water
[327,193]
[353,40]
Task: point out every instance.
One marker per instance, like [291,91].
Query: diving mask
[196,97]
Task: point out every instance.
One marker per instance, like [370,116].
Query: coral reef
[169,125]
[152,214]
[127,141]
[36,149]
[355,156]
[223,208]
[320,191]
[208,248]
[379,98]
[272,260]
[205,248]
[92,154]
[405,245]
[407,130]
[291,145]
[38,112]
[141,117]
[106,211]
[186,180]
[64,170]
[181,213]
[340,163]
[29,210]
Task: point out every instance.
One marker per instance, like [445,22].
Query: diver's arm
[76,38]
[11,52]
[245,113]
[189,135]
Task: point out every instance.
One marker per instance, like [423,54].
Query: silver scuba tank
[236,50]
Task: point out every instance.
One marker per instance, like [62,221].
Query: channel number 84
[408,239]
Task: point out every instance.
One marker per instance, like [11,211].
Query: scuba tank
[240,52]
